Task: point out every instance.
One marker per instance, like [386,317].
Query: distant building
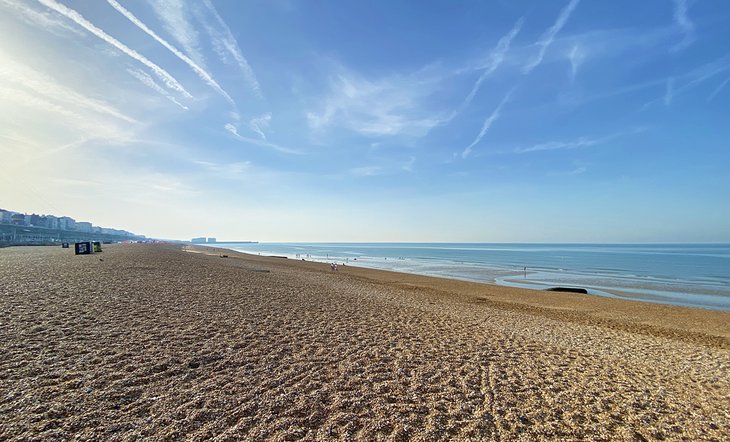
[211,240]
[84,226]
[19,219]
[38,221]
[66,223]
[200,240]
[52,222]
[50,228]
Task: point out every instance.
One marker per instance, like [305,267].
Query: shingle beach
[171,342]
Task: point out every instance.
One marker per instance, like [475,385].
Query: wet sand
[161,342]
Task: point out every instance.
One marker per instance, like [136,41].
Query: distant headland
[210,240]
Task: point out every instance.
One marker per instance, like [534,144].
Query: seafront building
[84,226]
[66,223]
[23,228]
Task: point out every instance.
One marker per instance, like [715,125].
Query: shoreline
[666,317]
[151,341]
[641,290]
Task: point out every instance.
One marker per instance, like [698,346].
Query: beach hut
[84,248]
[97,246]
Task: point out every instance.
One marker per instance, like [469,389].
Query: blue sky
[554,121]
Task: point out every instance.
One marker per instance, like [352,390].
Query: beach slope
[172,342]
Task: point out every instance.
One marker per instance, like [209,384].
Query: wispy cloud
[387,167]
[681,83]
[263,143]
[69,126]
[71,14]
[44,19]
[246,173]
[683,22]
[234,171]
[174,16]
[390,106]
[38,102]
[487,124]
[148,81]
[260,123]
[45,86]
[576,57]
[560,145]
[629,46]
[164,185]
[495,59]
[204,75]
[17,138]
[367,171]
[226,45]
[669,92]
[577,143]
[718,89]
[549,35]
[705,72]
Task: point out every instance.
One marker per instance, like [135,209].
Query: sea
[693,275]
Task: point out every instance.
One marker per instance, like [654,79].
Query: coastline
[158,342]
[630,314]
[550,265]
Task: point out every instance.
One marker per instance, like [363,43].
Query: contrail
[168,79]
[685,24]
[40,102]
[546,39]
[150,83]
[496,58]
[234,131]
[718,89]
[206,77]
[41,18]
[47,87]
[174,17]
[487,124]
[229,43]
[580,142]
[259,123]
[680,16]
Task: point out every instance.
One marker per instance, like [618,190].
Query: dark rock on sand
[568,289]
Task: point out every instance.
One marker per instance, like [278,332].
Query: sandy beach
[167,342]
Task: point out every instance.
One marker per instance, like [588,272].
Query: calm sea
[696,275]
